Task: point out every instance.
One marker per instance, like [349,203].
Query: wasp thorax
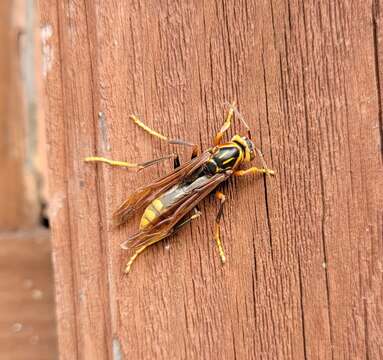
[247,145]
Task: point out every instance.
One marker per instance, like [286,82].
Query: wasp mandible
[171,202]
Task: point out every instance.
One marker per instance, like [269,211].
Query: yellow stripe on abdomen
[157,204]
[144,222]
[151,214]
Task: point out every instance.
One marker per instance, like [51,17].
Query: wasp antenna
[124,245]
[230,105]
[260,154]
[238,114]
[240,117]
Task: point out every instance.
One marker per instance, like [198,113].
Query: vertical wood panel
[79,250]
[303,277]
[27,321]
[18,177]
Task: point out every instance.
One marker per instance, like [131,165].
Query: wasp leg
[196,215]
[125,164]
[226,125]
[176,228]
[196,150]
[134,256]
[217,233]
[254,170]
[183,222]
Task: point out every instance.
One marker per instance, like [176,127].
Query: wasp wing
[146,194]
[177,212]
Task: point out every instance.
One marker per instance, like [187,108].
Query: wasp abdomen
[162,205]
[152,213]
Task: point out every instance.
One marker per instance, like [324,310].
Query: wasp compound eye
[250,147]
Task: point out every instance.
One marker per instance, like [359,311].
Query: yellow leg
[229,119]
[147,129]
[110,162]
[196,215]
[165,138]
[225,125]
[130,262]
[217,233]
[254,170]
[141,249]
[259,152]
[138,166]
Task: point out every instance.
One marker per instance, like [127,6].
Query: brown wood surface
[27,321]
[27,316]
[20,207]
[303,277]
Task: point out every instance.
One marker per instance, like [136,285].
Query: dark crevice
[366,335]
[254,298]
[302,310]
[255,275]
[233,333]
[325,258]
[231,61]
[268,218]
[375,13]
[43,218]
[74,284]
[273,23]
[95,96]
[264,179]
[306,107]
[289,16]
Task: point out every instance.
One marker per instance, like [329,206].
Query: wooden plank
[11,123]
[18,123]
[303,277]
[27,322]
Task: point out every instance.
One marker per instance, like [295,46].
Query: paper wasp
[170,202]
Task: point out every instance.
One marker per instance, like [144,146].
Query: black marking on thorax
[226,157]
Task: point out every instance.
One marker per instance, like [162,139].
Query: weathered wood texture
[27,321]
[304,272]
[11,123]
[22,142]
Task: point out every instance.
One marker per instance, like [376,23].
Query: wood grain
[304,271]
[18,174]
[27,322]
